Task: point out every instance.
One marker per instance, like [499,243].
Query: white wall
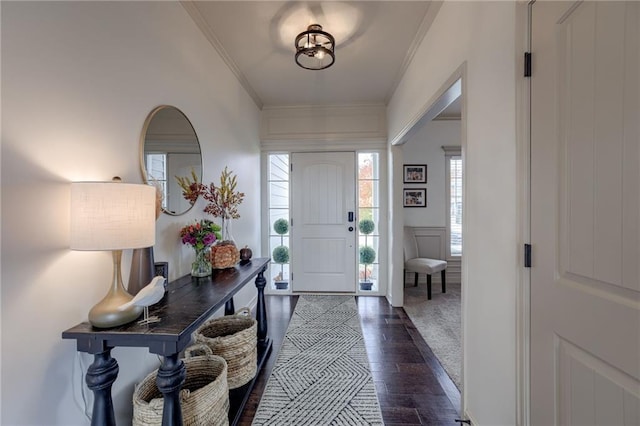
[482,35]
[78,80]
[425,147]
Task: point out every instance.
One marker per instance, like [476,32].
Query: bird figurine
[149,295]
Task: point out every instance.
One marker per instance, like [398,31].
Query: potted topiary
[280,254]
[367,254]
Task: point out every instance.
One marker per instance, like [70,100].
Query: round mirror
[169,149]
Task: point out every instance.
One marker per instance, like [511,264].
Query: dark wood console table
[187,303]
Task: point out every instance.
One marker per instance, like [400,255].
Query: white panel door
[585,156]
[323,239]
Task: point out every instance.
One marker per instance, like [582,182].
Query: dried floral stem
[224,199]
[191,188]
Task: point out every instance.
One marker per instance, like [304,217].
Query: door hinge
[292,276]
[527,64]
[291,220]
[527,255]
[291,166]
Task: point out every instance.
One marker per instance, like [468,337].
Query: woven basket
[204,397]
[233,337]
[224,255]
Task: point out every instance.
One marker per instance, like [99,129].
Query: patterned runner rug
[321,376]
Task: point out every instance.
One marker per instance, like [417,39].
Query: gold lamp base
[106,313]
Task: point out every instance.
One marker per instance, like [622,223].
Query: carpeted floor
[438,321]
[322,375]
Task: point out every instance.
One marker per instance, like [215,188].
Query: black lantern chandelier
[315,48]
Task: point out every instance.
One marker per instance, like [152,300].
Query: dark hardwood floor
[412,386]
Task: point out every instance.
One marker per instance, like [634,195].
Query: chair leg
[415,280]
[428,287]
[444,280]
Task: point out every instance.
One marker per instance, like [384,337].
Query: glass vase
[225,254]
[226,231]
[201,266]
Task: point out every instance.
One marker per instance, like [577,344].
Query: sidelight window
[278,199]
[369,209]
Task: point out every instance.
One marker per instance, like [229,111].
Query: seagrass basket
[224,255]
[204,397]
[233,337]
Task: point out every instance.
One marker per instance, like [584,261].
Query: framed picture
[414,197]
[162,268]
[415,173]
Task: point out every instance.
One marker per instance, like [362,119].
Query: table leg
[171,377]
[100,376]
[261,312]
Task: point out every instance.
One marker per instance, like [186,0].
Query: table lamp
[112,216]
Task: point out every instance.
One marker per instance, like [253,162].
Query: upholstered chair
[421,265]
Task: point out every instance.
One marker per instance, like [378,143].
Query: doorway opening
[435,144]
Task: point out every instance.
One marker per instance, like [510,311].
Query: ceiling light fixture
[315,48]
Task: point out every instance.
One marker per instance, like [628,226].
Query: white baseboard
[468,416]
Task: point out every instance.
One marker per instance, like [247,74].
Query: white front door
[323,213]
[585,227]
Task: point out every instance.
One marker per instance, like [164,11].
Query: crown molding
[201,23]
[432,10]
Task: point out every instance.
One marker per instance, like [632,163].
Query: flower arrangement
[224,199]
[200,234]
[191,188]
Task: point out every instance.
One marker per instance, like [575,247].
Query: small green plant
[367,254]
[367,257]
[281,254]
[366,226]
[281,226]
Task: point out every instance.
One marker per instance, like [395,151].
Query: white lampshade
[112,216]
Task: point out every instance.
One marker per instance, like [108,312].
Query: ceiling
[375,41]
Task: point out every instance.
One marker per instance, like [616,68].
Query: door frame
[357,146]
[523,214]
[430,109]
